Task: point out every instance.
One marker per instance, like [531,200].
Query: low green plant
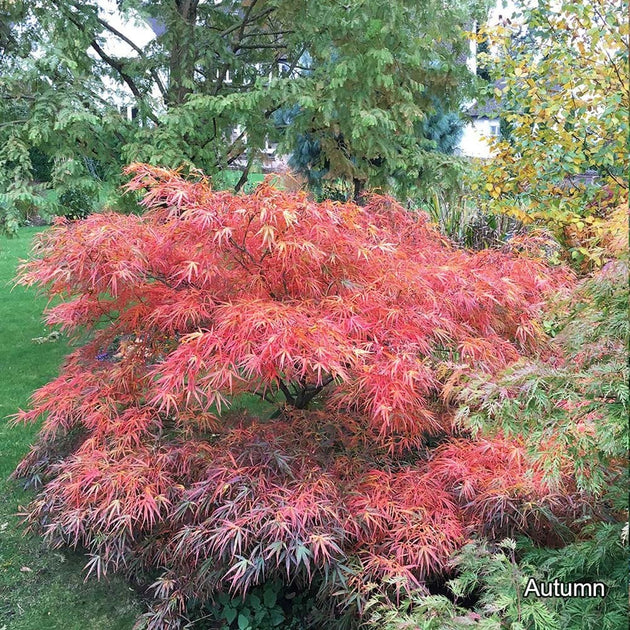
[453,205]
[490,591]
[258,609]
[491,578]
[269,606]
[601,556]
[463,221]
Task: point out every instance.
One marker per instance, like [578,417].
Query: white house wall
[475,139]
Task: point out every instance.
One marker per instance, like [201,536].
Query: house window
[495,129]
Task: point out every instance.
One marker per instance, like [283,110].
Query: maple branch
[287,394]
[284,283]
[329,379]
[250,218]
[244,250]
[305,393]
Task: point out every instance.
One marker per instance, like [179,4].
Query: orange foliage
[210,295]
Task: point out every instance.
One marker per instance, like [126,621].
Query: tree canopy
[362,75]
[564,92]
[349,323]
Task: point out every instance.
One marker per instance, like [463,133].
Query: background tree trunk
[181,66]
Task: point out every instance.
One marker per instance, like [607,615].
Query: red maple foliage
[348,319]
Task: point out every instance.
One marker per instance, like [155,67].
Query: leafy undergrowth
[39,588]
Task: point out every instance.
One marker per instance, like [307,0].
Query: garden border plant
[351,322]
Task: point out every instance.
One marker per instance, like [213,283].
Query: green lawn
[40,589]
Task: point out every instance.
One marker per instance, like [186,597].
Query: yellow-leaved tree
[561,81]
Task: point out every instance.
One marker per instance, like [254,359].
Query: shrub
[575,401]
[563,93]
[265,607]
[489,575]
[75,203]
[572,406]
[347,323]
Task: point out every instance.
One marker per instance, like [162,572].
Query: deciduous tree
[564,93]
[361,73]
[347,323]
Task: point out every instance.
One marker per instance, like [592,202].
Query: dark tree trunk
[357,195]
[181,65]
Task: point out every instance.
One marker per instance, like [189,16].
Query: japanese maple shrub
[347,322]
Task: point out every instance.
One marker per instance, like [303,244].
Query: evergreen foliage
[445,129]
[442,130]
